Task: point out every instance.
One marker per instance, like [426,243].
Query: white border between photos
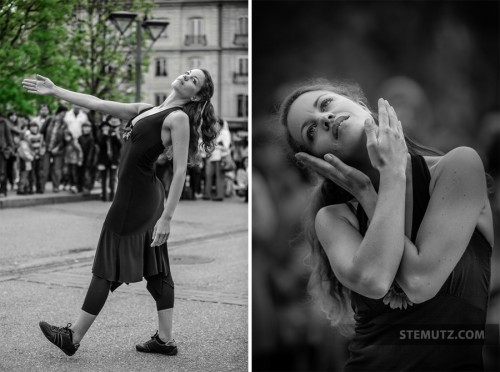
[250,188]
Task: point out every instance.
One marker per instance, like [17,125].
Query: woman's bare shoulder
[339,211]
[176,119]
[464,158]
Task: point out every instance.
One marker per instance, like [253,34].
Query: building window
[195,62]
[160,98]
[196,29]
[243,65]
[161,66]
[241,35]
[242,105]
[243,25]
[241,74]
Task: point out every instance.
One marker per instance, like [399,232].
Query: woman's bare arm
[366,265]
[178,123]
[44,86]
[457,199]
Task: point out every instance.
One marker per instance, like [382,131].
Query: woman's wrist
[368,200]
[56,91]
[397,175]
[166,217]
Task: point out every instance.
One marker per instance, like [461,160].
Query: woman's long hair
[323,286]
[202,123]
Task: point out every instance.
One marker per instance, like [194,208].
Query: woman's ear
[195,98]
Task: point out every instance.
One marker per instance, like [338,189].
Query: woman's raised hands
[386,144]
[350,179]
[41,85]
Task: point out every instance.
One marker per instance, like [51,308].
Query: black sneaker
[155,345]
[62,337]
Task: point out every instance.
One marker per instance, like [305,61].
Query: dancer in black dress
[400,233]
[133,241]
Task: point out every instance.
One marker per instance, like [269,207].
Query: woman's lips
[338,122]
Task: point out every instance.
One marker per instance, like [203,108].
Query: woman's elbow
[419,290]
[374,288]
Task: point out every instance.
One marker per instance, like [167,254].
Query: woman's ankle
[76,336]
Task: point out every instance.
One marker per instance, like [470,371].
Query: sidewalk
[12,200]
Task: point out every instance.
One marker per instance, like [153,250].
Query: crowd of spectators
[73,153]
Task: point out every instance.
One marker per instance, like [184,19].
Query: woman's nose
[327,120]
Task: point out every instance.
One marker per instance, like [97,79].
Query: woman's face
[325,122]
[189,83]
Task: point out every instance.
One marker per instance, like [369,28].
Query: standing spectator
[43,115]
[87,143]
[53,134]
[6,151]
[26,157]
[73,158]
[109,157]
[16,132]
[242,180]
[74,119]
[36,145]
[213,164]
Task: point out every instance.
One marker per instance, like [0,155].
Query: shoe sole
[47,336]
[171,353]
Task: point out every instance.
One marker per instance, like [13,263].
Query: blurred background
[437,63]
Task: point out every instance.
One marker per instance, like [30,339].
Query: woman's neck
[174,100]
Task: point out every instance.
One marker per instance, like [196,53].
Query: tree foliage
[71,42]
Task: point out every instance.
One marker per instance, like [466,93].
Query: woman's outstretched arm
[44,86]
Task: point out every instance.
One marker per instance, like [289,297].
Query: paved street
[46,257]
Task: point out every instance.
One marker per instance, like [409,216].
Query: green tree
[31,35]
[71,42]
[106,58]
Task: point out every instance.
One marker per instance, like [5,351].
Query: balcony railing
[241,39]
[195,40]
[240,78]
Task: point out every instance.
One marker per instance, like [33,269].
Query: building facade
[203,34]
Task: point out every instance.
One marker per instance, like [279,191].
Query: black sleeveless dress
[461,303]
[124,253]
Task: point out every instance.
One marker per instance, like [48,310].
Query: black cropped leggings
[162,291]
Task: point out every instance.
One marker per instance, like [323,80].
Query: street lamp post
[154,28]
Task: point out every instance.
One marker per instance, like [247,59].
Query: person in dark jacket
[6,151]
[108,158]
[53,133]
[87,143]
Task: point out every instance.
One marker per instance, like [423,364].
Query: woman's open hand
[386,145]
[161,232]
[42,86]
[350,179]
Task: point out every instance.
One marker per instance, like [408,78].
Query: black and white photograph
[375,185]
[124,192]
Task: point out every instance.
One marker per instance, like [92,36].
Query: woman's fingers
[40,77]
[371,132]
[338,164]
[383,115]
[325,168]
[393,119]
[154,237]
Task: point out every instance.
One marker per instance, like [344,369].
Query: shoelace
[63,330]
